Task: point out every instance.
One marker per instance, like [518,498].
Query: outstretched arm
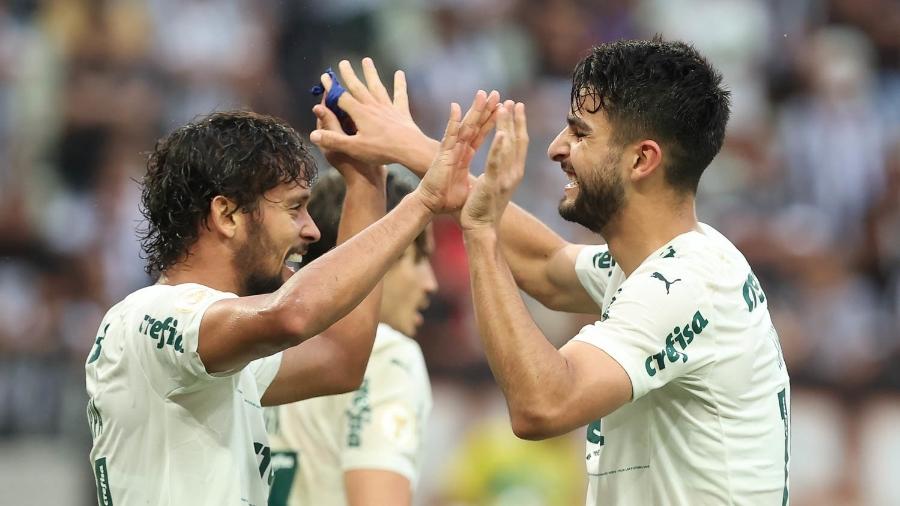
[542,262]
[335,361]
[548,392]
[240,330]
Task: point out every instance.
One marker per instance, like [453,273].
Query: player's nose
[559,148]
[309,231]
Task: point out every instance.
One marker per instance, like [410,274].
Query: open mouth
[573,181]
[293,261]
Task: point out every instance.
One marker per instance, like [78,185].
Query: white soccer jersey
[710,415]
[166,432]
[379,426]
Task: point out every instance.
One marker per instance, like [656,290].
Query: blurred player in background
[681,382]
[180,370]
[363,447]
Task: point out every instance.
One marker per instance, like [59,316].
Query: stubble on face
[251,261]
[601,195]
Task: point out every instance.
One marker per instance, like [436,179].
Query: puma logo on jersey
[662,278]
[165,332]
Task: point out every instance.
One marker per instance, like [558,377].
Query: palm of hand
[447,181]
[503,172]
[478,206]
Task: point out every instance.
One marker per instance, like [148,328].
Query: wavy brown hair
[237,154]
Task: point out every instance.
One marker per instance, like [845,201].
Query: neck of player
[645,224]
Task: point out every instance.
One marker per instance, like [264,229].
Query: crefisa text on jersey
[158,329]
[684,337]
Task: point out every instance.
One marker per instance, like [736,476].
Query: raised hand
[350,168]
[480,118]
[384,125]
[445,186]
[386,132]
[503,172]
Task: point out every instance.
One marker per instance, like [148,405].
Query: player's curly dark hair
[237,154]
[660,90]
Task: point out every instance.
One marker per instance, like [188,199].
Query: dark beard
[258,283]
[248,261]
[597,202]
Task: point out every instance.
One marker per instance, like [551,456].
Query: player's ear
[224,217]
[645,158]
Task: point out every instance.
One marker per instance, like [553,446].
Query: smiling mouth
[573,181]
[293,261]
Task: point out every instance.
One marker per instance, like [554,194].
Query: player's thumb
[326,139]
[327,117]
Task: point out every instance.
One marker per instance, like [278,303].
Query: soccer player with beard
[681,381]
[363,447]
[180,370]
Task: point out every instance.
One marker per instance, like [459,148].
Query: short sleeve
[658,328]
[385,419]
[594,267]
[264,371]
[168,327]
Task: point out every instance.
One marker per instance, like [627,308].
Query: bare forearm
[529,246]
[332,285]
[417,156]
[527,367]
[354,334]
[364,204]
[374,487]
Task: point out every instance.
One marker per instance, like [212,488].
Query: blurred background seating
[808,186]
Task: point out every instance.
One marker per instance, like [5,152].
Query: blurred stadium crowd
[808,186]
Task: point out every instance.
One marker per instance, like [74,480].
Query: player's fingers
[330,140]
[326,119]
[505,119]
[373,81]
[490,106]
[473,115]
[353,84]
[326,82]
[345,101]
[470,124]
[401,99]
[521,126]
[486,128]
[496,155]
[452,131]
[467,155]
